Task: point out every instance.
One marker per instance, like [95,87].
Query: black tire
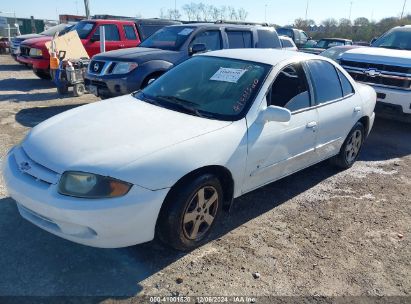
[62,90]
[149,78]
[79,89]
[347,156]
[182,223]
[42,74]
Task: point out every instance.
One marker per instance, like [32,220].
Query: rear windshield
[168,38]
[146,30]
[51,31]
[83,28]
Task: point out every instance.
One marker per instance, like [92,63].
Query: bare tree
[242,14]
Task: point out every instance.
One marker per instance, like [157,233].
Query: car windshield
[285,32]
[168,38]
[51,31]
[210,87]
[325,44]
[83,28]
[395,39]
[333,53]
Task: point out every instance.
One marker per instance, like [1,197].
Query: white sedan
[164,161]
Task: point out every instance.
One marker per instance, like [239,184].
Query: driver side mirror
[197,48]
[274,113]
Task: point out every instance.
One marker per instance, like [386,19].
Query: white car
[287,43]
[165,160]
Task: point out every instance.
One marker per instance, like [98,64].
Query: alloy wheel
[200,213]
[353,146]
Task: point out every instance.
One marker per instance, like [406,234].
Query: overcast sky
[278,11]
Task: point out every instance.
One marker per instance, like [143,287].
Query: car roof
[267,56]
[219,25]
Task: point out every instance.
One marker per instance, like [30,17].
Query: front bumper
[36,63]
[105,223]
[114,85]
[387,96]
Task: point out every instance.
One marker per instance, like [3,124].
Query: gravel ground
[320,232]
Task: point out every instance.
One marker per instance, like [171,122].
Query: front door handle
[357,109]
[312,125]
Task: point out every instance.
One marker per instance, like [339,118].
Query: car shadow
[25,85]
[13,67]
[31,117]
[35,262]
[388,139]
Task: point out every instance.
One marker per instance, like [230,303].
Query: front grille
[33,169]
[95,67]
[24,51]
[99,84]
[380,67]
[396,77]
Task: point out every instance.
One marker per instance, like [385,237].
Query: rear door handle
[357,109]
[312,125]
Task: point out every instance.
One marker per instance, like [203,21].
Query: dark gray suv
[124,71]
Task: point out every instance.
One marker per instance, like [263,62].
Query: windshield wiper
[181,104]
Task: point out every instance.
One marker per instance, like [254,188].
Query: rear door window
[211,39]
[239,39]
[130,33]
[111,32]
[345,84]
[325,80]
[267,40]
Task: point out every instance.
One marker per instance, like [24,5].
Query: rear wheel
[42,74]
[351,147]
[190,212]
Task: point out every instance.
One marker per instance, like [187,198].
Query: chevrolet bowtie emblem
[372,72]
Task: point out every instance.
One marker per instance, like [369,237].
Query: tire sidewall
[170,229]
[358,126]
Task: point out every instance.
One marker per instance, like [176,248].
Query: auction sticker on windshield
[228,75]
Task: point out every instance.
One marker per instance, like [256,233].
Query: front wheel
[190,212]
[351,147]
[43,74]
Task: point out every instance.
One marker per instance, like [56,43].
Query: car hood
[27,36]
[104,136]
[139,54]
[379,56]
[312,50]
[36,42]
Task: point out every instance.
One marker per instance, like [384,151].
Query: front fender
[154,66]
[225,147]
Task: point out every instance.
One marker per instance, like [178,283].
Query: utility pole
[403,8]
[306,10]
[87,8]
[349,16]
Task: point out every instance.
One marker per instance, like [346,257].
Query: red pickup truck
[119,34]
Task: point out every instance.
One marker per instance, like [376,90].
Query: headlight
[124,67]
[88,185]
[35,52]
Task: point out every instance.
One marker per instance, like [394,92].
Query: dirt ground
[320,232]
